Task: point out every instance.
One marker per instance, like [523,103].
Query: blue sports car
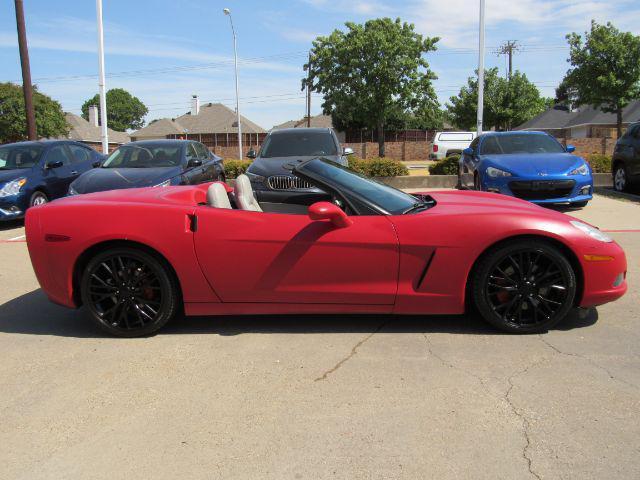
[32,173]
[533,166]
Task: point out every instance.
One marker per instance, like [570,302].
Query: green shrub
[448,166]
[233,168]
[378,167]
[599,163]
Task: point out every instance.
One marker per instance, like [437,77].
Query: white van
[450,143]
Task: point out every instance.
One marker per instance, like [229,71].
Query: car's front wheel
[525,286]
[620,182]
[128,292]
[38,198]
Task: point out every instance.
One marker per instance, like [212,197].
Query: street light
[480,69]
[235,61]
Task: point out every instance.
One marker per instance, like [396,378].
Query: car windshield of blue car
[298,144]
[13,157]
[520,143]
[147,156]
[389,199]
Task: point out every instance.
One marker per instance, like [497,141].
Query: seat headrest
[244,194]
[217,196]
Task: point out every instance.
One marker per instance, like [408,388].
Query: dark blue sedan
[152,163]
[533,166]
[33,173]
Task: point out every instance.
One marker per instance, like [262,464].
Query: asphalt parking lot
[345,397]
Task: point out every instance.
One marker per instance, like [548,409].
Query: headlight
[255,178]
[592,232]
[496,172]
[166,183]
[13,187]
[581,170]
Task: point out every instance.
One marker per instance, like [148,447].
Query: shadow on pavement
[11,224]
[33,314]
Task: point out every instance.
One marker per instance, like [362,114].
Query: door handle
[74,172]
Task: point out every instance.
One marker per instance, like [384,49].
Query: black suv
[270,172]
[625,167]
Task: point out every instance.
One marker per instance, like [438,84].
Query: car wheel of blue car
[38,198]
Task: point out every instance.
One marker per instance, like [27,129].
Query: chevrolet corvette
[135,259]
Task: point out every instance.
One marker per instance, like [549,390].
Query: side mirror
[96,164]
[194,162]
[570,149]
[331,212]
[347,151]
[54,164]
[468,151]
[252,153]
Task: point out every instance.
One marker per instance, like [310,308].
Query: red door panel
[270,257]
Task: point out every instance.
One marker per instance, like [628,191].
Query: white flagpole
[104,135]
[481,69]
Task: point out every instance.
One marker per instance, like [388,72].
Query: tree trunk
[381,138]
[619,121]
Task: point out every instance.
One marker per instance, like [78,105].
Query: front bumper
[13,208]
[557,189]
[604,281]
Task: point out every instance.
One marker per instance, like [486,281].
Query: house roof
[594,116]
[552,119]
[159,128]
[317,121]
[558,118]
[82,131]
[216,118]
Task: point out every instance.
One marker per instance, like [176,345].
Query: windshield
[389,199]
[147,156]
[297,144]
[13,157]
[520,143]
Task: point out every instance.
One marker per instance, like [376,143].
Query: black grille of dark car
[285,182]
[542,189]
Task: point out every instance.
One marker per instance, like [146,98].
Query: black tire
[38,198]
[620,178]
[476,182]
[128,292]
[579,204]
[525,286]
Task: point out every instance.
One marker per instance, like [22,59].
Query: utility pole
[26,71]
[308,86]
[104,133]
[508,48]
[480,69]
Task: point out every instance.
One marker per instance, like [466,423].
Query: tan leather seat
[217,196]
[244,194]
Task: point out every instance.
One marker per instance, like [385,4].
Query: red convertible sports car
[138,258]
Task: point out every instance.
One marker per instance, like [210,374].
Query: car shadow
[33,314]
[11,224]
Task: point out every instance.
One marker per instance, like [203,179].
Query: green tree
[605,71]
[50,121]
[124,111]
[374,73]
[507,103]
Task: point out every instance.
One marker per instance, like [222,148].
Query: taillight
[435,147]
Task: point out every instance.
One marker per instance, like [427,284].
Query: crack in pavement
[354,350]
[515,411]
[525,421]
[591,361]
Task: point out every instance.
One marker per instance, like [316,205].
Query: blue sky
[163,51]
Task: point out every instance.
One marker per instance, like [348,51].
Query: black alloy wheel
[129,292]
[524,287]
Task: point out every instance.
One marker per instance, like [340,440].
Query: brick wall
[586,146]
[405,151]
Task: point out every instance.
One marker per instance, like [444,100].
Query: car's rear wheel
[38,198]
[129,292]
[579,204]
[620,181]
[526,286]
